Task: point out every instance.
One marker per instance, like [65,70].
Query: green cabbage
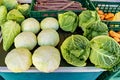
[48,37]
[105,52]
[18,60]
[24,9]
[15,15]
[95,29]
[3,14]
[1,2]
[10,30]
[46,58]
[49,23]
[87,17]
[25,39]
[75,50]
[10,4]
[68,21]
[30,24]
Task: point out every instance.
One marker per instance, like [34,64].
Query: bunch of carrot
[105,16]
[115,35]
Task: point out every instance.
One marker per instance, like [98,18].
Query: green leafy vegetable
[24,9]
[68,21]
[87,17]
[48,37]
[10,30]
[15,15]
[31,24]
[25,39]
[1,2]
[75,50]
[10,4]
[105,52]
[49,23]
[46,58]
[18,60]
[3,14]
[95,29]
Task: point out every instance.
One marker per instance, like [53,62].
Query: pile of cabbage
[35,42]
[94,45]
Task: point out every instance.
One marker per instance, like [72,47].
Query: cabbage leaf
[10,30]
[75,50]
[105,52]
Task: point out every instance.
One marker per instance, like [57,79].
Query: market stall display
[77,36]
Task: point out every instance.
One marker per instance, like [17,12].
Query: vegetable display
[105,52]
[46,58]
[10,30]
[75,50]
[18,60]
[77,39]
[68,21]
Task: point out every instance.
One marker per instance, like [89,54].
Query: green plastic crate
[106,7]
[39,15]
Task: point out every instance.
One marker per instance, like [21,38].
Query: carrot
[110,18]
[117,39]
[118,32]
[100,12]
[109,15]
[114,34]
[102,17]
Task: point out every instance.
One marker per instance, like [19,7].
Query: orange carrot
[117,39]
[109,15]
[100,12]
[114,34]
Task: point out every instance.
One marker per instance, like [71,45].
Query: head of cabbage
[48,37]
[18,60]
[95,29]
[75,50]
[10,4]
[46,58]
[87,17]
[105,52]
[68,21]
[49,23]
[30,24]
[25,39]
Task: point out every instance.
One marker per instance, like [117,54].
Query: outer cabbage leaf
[15,15]
[3,14]
[24,9]
[75,50]
[10,30]
[105,52]
[18,60]
[1,2]
[10,4]
[87,17]
[68,21]
[95,29]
